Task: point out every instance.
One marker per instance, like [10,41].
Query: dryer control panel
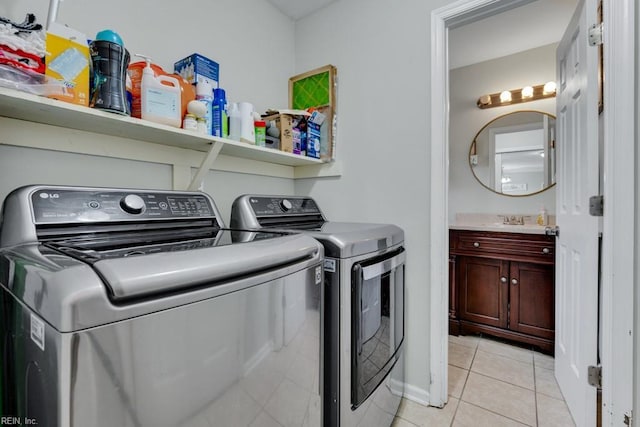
[279,206]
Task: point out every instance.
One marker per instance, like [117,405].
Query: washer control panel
[278,206]
[80,205]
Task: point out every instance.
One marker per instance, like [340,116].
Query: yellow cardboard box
[67,60]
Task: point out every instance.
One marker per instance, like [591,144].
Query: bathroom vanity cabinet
[503,284]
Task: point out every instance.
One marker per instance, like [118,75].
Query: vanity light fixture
[549,88]
[516,96]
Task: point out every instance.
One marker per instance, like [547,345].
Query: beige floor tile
[264,420]
[503,368]
[457,378]
[288,405]
[427,415]
[460,356]
[469,415]
[553,412]
[513,352]
[197,421]
[502,398]
[543,360]
[465,340]
[376,417]
[235,407]
[546,383]
[401,422]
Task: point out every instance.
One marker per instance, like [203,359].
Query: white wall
[224,187]
[252,68]
[381,51]
[532,67]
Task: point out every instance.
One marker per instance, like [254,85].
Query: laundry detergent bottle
[160,97]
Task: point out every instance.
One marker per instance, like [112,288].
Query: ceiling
[296,9]
[535,24]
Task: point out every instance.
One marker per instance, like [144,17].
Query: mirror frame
[473,144]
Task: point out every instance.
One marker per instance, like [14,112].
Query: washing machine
[363,323]
[128,308]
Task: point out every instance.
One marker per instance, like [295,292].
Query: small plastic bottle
[190,123]
[261,132]
[202,125]
[204,94]
[235,122]
[542,217]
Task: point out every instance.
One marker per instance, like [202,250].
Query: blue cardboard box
[314,131]
[195,68]
[313,140]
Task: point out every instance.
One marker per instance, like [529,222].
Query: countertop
[491,222]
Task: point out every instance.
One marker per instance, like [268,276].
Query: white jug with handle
[247,130]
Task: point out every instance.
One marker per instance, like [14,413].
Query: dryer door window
[377,321]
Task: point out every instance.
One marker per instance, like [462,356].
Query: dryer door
[377,321]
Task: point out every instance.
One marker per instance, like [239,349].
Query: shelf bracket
[207,162]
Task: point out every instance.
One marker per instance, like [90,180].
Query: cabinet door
[483,290]
[532,301]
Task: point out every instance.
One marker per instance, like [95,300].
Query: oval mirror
[514,154]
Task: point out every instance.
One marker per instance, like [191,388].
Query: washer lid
[299,214]
[349,239]
[229,257]
[72,294]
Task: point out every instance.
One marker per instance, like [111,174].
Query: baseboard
[416,394]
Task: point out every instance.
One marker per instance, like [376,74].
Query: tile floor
[493,384]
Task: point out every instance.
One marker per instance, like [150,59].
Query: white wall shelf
[42,110]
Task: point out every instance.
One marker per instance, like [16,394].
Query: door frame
[618,228]
[619,188]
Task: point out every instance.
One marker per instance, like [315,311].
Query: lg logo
[49,196]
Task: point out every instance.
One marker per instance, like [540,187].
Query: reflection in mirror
[514,154]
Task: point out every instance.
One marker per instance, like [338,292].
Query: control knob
[132,204]
[286,205]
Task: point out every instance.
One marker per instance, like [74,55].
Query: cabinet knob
[476,244]
[514,281]
[545,251]
[503,279]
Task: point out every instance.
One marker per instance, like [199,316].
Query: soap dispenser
[160,97]
[542,217]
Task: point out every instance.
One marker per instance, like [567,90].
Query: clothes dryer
[363,323]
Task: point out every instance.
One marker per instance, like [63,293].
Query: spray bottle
[220,127]
[160,97]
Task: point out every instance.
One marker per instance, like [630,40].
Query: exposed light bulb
[505,96]
[505,179]
[527,92]
[485,100]
[549,87]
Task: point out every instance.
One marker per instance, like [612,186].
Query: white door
[577,244]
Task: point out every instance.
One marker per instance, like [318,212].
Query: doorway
[617,326]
